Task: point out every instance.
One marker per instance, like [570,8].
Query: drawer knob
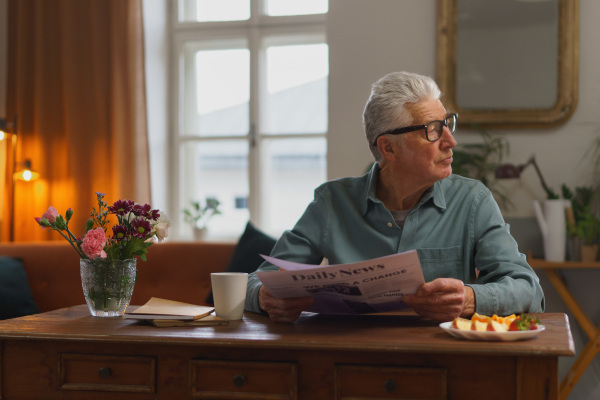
[104,372]
[239,381]
[390,385]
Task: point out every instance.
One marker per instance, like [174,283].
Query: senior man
[410,200]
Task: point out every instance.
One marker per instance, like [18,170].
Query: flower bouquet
[108,266]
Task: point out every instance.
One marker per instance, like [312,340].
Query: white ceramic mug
[229,294]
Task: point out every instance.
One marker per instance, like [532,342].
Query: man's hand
[283,310]
[442,299]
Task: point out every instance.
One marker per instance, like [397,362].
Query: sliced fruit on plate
[496,326]
[480,318]
[477,325]
[479,322]
[461,323]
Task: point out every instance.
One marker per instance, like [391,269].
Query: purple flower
[121,207]
[154,215]
[141,228]
[141,211]
[145,211]
[120,232]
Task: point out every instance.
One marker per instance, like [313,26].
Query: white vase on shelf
[552,223]
[200,233]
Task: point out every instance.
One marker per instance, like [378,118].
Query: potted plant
[198,215]
[480,161]
[587,223]
[588,228]
[583,226]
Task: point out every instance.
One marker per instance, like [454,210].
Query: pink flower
[50,215]
[93,243]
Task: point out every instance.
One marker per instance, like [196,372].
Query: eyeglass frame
[399,131]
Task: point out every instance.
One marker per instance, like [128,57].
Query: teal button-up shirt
[456,228]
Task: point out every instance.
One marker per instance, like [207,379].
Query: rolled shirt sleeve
[506,283]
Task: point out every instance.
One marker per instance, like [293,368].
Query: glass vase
[107,285]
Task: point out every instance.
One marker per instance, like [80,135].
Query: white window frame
[260,27]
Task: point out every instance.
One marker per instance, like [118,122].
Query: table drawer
[212,379]
[373,382]
[116,373]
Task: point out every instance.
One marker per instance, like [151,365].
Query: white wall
[370,38]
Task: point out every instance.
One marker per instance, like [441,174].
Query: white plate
[508,336]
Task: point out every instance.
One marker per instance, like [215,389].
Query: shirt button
[390,224]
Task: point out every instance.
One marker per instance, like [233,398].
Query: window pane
[216,169]
[296,97]
[296,7]
[291,169]
[217,86]
[215,10]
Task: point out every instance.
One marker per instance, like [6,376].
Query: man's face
[423,161]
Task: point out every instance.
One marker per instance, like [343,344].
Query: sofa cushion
[16,299]
[246,255]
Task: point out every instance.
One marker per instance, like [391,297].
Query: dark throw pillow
[246,255]
[16,299]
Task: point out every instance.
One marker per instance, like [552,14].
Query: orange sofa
[175,270]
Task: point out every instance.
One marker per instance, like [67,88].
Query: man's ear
[386,148]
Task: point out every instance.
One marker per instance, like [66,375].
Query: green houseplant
[480,161]
[588,228]
[582,222]
[198,215]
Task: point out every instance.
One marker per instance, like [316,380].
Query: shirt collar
[437,192]
[370,194]
[439,199]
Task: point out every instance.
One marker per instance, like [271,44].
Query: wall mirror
[509,63]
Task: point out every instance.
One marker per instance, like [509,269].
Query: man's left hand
[442,299]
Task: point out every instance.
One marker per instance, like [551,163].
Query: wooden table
[68,354]
[592,348]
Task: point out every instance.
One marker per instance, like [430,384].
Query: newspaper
[376,285]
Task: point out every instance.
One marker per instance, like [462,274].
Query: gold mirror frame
[568,73]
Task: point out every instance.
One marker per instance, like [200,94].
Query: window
[251,110]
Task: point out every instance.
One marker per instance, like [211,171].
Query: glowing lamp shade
[26,174]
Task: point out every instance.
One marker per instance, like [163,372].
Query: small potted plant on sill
[198,215]
[588,229]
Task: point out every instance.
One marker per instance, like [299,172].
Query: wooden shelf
[537,263]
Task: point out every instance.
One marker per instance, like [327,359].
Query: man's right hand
[283,310]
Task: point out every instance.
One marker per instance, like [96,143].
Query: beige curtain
[76,83]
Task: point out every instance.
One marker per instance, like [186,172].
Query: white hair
[387,108]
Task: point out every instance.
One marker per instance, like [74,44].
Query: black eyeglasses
[433,129]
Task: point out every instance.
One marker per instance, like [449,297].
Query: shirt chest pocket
[444,262]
